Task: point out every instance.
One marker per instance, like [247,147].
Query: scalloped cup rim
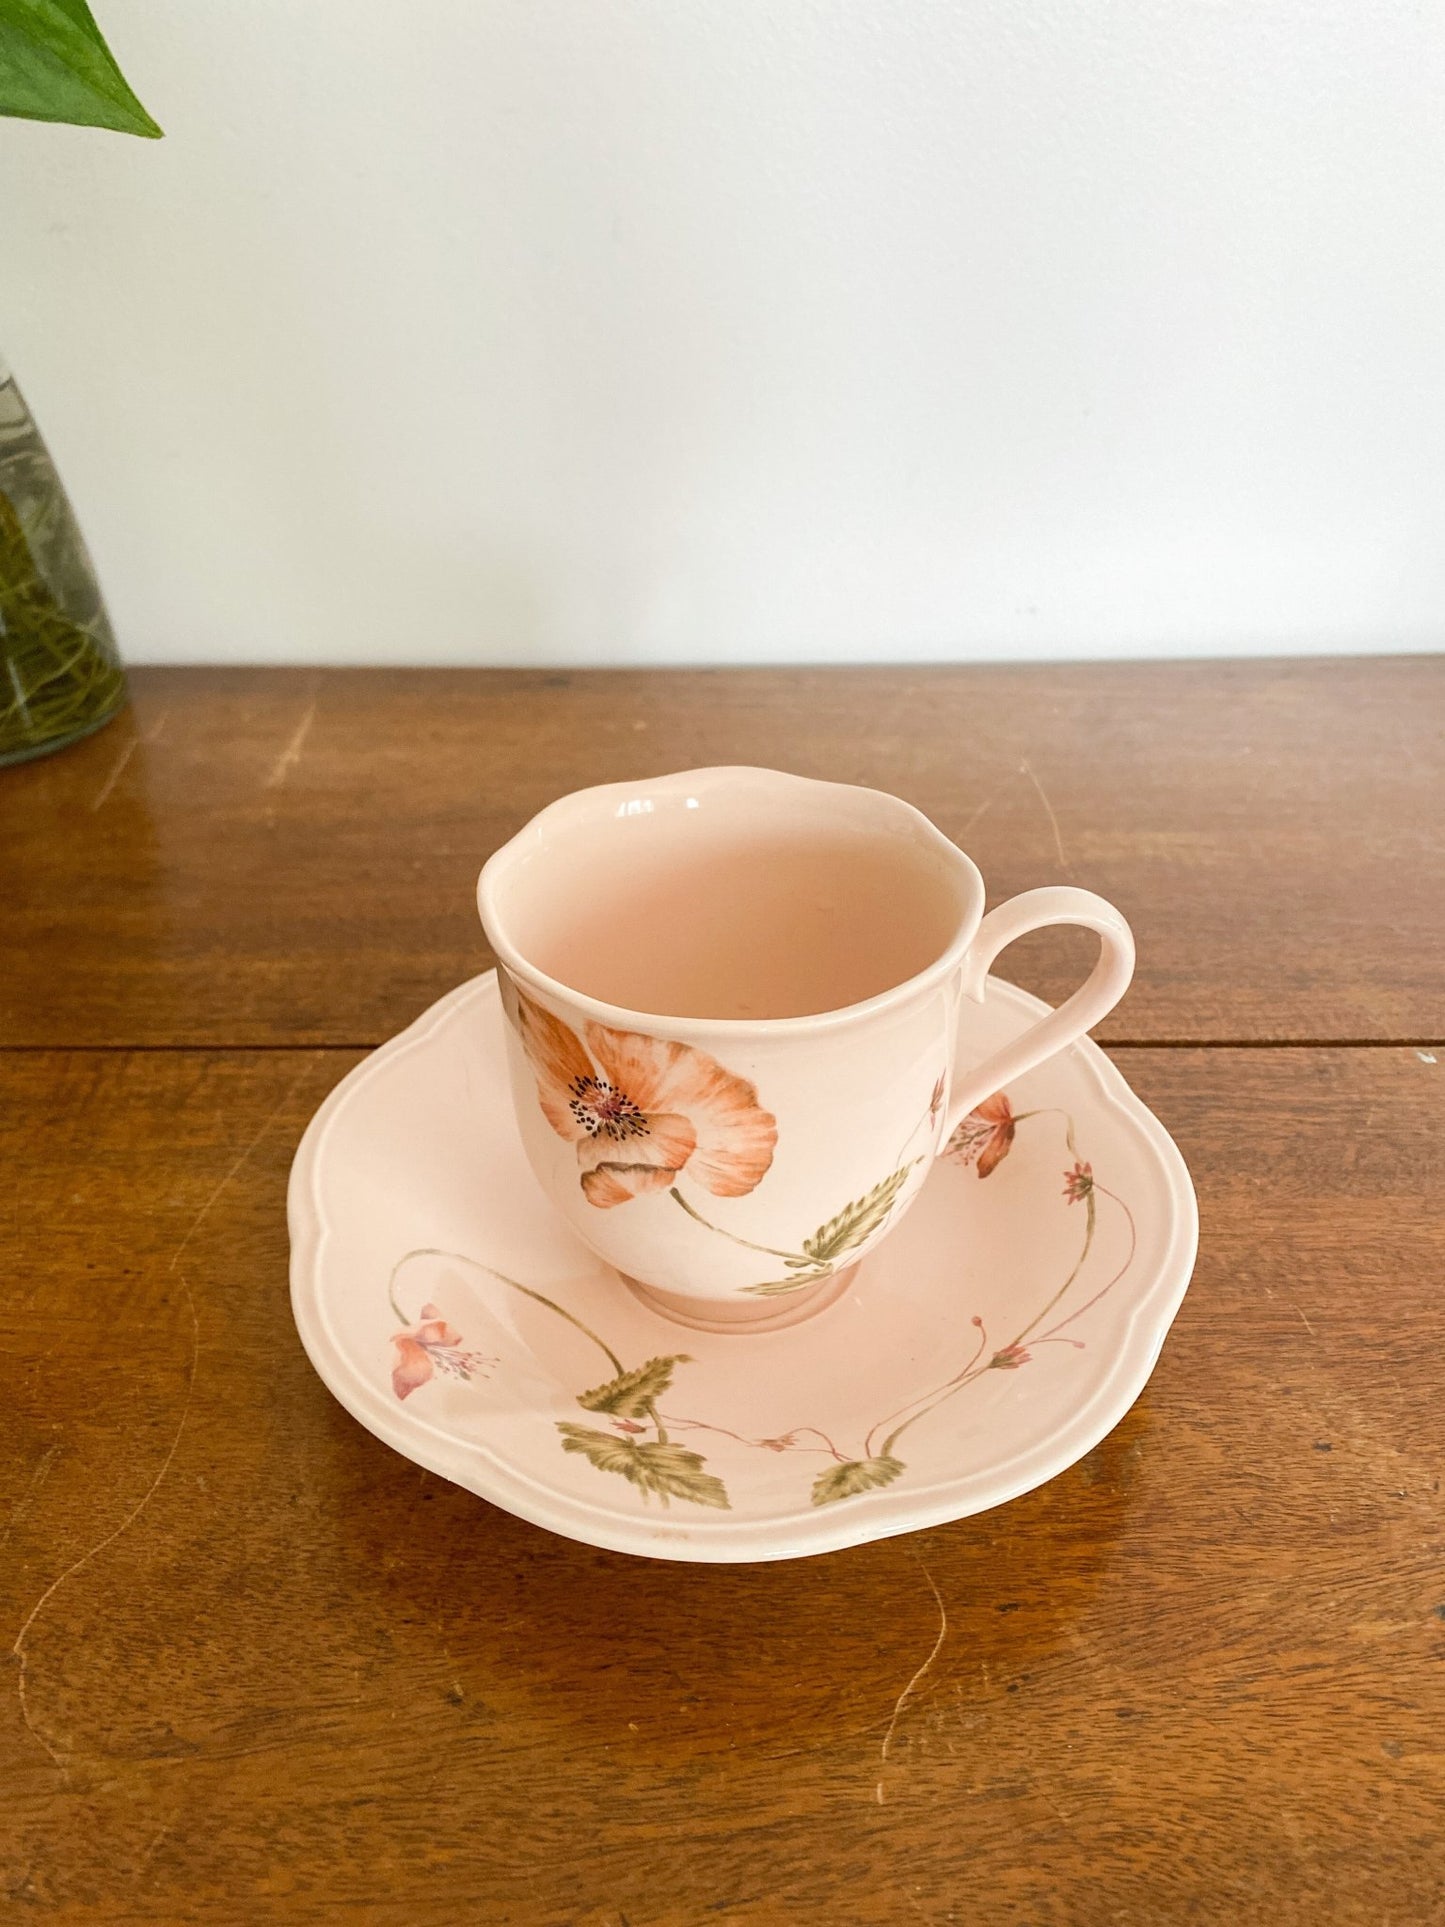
[576,806]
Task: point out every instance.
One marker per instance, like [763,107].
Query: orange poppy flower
[985,1135]
[640,1110]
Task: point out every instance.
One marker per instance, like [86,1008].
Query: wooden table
[264,1670]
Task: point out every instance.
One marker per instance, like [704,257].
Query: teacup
[733,1001]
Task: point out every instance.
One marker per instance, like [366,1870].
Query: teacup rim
[620,1016]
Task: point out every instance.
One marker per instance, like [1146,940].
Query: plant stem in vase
[60,671]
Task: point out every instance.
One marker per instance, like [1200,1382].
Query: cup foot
[739,1315]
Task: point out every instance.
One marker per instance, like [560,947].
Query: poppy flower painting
[640,1110]
[985,1136]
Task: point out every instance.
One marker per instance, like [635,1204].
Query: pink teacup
[733,1001]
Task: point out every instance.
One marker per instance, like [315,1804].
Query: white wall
[653,330]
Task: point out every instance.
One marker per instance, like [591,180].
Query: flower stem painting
[636,1422]
[637,1447]
[643,1112]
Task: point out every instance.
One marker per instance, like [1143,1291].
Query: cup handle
[1095,997]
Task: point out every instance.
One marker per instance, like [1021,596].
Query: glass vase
[60,671]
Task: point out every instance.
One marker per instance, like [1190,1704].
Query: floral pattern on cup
[641,1110]
[638,1439]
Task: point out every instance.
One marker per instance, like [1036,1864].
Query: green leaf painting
[55,65]
[857,1475]
[669,1471]
[654,1465]
[643,1412]
[856,1222]
[835,1241]
[631,1394]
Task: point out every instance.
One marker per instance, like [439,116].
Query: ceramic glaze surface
[696,919]
[997,1336]
[736,1000]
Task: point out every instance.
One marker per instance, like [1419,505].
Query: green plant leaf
[777,1287]
[856,1222]
[630,1395]
[55,65]
[858,1475]
[669,1471]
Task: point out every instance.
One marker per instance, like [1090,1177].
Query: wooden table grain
[264,1670]
[264,857]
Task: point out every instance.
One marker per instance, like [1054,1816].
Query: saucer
[996,1336]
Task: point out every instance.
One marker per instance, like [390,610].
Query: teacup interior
[737,901]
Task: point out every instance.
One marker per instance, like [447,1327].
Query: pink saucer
[995,1337]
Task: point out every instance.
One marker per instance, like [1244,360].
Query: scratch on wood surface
[824,1745]
[117,770]
[1125,1684]
[150,1852]
[18,1649]
[122,762]
[267,1122]
[291,755]
[1026,768]
[37,1479]
[1058,1812]
[913,1684]
[1305,1322]
[1084,1647]
[984,807]
[78,1565]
